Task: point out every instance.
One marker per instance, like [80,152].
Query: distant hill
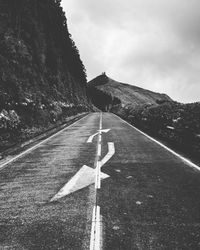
[106,93]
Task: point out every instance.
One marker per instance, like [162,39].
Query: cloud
[154,44]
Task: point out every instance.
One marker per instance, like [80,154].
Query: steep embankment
[42,79]
[107,94]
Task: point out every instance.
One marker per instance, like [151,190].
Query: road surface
[99,184]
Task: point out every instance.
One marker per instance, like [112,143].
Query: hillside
[42,78]
[117,93]
[175,124]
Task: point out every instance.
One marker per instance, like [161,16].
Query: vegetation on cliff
[42,78]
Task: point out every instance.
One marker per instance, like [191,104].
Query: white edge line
[162,145]
[37,145]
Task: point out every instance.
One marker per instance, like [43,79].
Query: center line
[98,165]
[99,150]
[95,240]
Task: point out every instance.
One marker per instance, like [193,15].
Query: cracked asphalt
[150,201]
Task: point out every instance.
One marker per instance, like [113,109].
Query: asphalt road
[148,197]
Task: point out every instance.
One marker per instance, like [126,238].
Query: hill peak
[103,88]
[99,80]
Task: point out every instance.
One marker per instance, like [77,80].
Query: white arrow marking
[104,130]
[90,139]
[83,178]
[111,152]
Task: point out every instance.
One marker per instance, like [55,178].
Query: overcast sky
[154,44]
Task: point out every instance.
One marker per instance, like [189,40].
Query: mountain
[107,93]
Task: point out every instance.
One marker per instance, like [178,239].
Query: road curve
[148,197]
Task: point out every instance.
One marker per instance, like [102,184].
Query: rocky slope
[107,93]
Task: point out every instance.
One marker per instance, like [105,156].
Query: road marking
[129,177]
[90,139]
[83,178]
[111,152]
[98,171]
[92,237]
[191,164]
[86,176]
[98,176]
[101,119]
[37,145]
[100,138]
[99,150]
[95,241]
[96,230]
